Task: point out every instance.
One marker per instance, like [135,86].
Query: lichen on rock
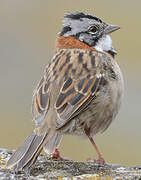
[47,168]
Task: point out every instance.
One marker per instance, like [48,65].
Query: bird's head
[89,29]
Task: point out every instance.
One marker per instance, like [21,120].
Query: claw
[100,160]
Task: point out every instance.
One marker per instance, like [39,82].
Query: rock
[48,169]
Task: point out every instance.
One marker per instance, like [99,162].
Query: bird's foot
[100,160]
[56,155]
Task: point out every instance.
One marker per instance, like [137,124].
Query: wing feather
[40,103]
[77,75]
[41,97]
[72,101]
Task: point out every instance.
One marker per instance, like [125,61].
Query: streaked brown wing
[41,95]
[80,69]
[40,102]
[75,96]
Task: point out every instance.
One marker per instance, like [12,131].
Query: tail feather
[53,143]
[32,151]
[28,165]
[20,152]
[25,156]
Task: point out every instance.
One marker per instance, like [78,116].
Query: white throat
[104,44]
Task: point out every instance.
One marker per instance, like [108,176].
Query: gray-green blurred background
[27,33]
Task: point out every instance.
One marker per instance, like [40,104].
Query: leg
[56,155]
[100,158]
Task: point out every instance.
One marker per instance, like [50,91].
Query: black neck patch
[112,53]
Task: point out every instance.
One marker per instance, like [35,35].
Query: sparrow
[80,91]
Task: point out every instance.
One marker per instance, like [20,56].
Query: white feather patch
[104,44]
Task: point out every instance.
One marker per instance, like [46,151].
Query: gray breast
[103,110]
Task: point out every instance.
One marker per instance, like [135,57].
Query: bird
[80,92]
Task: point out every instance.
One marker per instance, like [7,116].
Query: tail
[25,156]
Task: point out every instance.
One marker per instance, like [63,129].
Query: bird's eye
[93,29]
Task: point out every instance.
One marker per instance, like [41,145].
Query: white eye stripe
[92,32]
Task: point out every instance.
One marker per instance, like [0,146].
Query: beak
[111,28]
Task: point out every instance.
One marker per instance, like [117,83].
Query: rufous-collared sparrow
[80,92]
